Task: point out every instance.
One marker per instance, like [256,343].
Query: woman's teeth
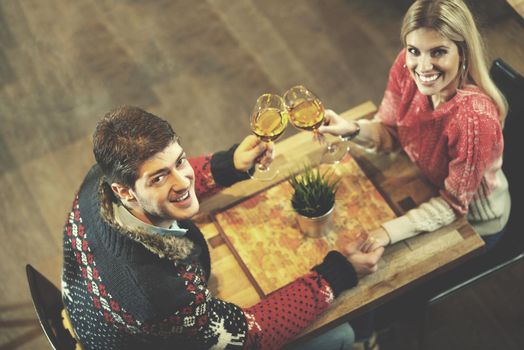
[428,78]
[181,198]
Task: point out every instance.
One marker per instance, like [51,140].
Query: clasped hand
[364,262]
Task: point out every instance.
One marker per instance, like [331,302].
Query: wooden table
[403,265]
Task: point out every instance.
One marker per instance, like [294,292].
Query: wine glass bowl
[306,112]
[268,122]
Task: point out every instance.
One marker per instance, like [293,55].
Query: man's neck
[126,219]
[149,219]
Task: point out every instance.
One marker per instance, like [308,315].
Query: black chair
[47,301]
[511,84]
[510,249]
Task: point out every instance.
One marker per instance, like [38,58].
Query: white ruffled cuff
[400,228]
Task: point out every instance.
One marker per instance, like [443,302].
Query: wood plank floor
[199,64]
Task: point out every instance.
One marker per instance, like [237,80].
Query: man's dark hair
[126,137]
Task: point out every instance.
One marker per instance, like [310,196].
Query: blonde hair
[453,20]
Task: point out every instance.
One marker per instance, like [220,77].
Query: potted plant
[313,199]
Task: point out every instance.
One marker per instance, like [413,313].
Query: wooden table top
[264,233]
[403,265]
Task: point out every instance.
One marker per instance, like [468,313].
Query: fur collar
[173,248]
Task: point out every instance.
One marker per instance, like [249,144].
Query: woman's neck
[438,99]
[444,95]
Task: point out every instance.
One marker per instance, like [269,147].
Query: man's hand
[363,262]
[250,151]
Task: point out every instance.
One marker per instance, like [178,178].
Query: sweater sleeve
[475,144]
[380,134]
[215,171]
[277,319]
[388,111]
[269,324]
[205,184]
[376,136]
[428,216]
[223,168]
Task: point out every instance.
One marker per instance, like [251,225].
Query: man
[136,268]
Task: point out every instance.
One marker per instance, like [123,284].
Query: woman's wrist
[382,236]
[353,133]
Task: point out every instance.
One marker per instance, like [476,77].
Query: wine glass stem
[262,167]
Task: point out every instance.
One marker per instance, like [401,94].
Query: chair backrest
[511,83]
[48,304]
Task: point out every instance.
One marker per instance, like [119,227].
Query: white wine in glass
[307,115]
[306,112]
[268,122]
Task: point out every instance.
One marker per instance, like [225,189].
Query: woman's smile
[428,78]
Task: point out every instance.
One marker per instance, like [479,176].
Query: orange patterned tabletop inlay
[263,231]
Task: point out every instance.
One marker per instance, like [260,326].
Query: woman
[441,107]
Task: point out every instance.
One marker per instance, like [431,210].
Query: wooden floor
[199,64]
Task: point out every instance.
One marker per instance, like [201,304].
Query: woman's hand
[377,238]
[363,262]
[336,125]
[250,151]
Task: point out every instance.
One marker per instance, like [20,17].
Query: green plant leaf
[314,193]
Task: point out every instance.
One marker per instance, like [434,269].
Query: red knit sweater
[457,146]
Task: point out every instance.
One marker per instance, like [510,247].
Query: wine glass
[268,122]
[306,112]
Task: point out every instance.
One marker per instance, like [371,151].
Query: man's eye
[181,162]
[158,179]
